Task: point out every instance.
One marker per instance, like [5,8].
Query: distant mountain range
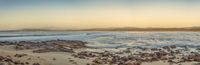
[143,29]
[116,29]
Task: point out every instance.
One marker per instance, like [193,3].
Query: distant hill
[116,29]
[143,29]
[26,30]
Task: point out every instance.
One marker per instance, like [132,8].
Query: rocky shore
[47,46]
[74,52]
[167,54]
[11,57]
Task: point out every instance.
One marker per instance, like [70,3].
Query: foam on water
[110,39]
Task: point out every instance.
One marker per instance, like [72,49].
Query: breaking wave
[110,39]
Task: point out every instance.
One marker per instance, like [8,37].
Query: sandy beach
[49,58]
[85,56]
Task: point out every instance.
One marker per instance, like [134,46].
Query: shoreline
[74,52]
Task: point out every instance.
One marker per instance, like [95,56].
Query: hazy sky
[79,14]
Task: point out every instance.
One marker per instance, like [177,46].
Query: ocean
[105,39]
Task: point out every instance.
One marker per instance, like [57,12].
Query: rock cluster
[47,46]
[8,60]
[167,53]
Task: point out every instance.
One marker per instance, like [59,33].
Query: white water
[110,39]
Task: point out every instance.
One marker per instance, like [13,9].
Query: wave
[113,39]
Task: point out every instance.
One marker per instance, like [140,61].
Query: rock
[27,63]
[196,64]
[54,59]
[166,47]
[88,64]
[173,46]
[17,62]
[98,61]
[2,64]
[29,59]
[197,59]
[20,55]
[41,51]
[66,49]
[127,50]
[71,60]
[36,64]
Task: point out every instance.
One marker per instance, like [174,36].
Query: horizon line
[193,28]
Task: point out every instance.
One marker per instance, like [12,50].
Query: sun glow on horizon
[99,15]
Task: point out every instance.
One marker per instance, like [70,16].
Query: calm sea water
[110,39]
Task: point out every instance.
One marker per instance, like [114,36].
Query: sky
[84,14]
